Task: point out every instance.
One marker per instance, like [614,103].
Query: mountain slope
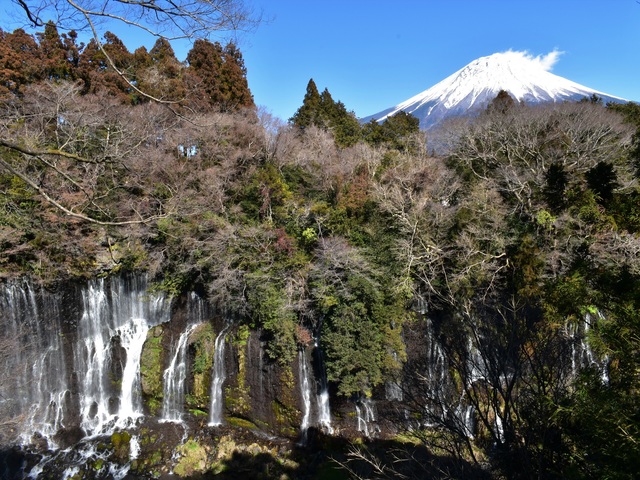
[472,87]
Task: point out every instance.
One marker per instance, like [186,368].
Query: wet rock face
[152,368]
[200,351]
[92,401]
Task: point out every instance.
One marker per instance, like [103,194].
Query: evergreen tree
[502,103]
[158,72]
[235,91]
[204,65]
[602,179]
[324,112]
[54,54]
[220,75]
[393,131]
[344,125]
[96,71]
[556,182]
[309,113]
[20,61]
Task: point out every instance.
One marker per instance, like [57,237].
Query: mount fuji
[525,77]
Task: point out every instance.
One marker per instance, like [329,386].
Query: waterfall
[309,388]
[322,399]
[132,337]
[111,334]
[499,428]
[33,373]
[582,354]
[393,388]
[61,369]
[218,378]
[365,416]
[466,418]
[324,410]
[174,378]
[305,392]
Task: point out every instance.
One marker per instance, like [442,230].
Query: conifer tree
[323,112]
[54,55]
[96,72]
[309,113]
[220,75]
[20,61]
[235,91]
[158,72]
[393,131]
[502,103]
[205,63]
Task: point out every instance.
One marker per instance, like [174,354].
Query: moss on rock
[237,397]
[121,442]
[202,342]
[151,369]
[193,459]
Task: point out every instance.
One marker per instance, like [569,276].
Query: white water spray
[218,378]
[305,391]
[366,416]
[174,377]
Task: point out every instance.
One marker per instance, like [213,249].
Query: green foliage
[602,179]
[361,320]
[602,422]
[323,112]
[120,441]
[270,312]
[395,132]
[555,188]
[151,369]
[526,229]
[193,459]
[309,113]
[501,104]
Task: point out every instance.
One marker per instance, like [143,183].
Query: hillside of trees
[526,228]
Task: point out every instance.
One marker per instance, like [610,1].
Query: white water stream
[216,416]
[174,377]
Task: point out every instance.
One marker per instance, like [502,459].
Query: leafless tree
[169,19]
[50,144]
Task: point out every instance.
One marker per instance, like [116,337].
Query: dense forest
[509,233]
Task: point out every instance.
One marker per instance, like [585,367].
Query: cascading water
[324,410]
[174,379]
[318,412]
[218,378]
[582,354]
[322,399]
[305,392]
[67,371]
[33,372]
[114,324]
[365,414]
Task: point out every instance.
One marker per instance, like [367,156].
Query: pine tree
[158,72]
[556,182]
[393,131]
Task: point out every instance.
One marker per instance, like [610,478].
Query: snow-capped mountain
[525,77]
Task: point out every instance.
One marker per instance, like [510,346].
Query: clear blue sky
[374,54]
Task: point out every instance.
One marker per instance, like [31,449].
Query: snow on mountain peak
[525,77]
